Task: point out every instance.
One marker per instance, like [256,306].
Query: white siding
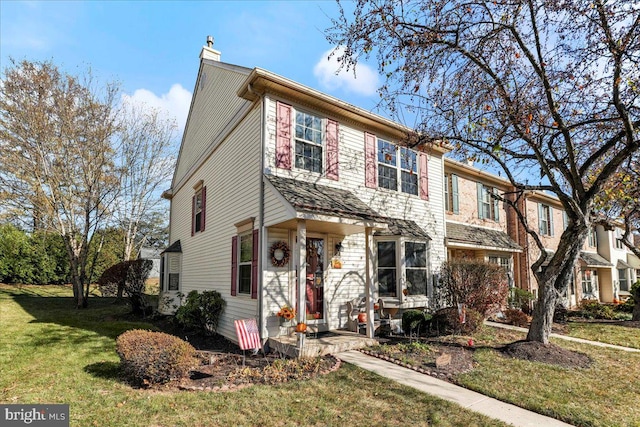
[231,176]
[215,104]
[349,282]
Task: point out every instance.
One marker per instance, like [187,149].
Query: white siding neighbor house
[286,196]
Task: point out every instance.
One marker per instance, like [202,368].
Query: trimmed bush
[149,358]
[594,310]
[447,321]
[516,317]
[128,278]
[201,312]
[415,321]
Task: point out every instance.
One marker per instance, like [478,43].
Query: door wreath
[279,253]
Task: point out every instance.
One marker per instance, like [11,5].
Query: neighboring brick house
[478,225]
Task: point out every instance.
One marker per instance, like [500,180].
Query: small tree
[129,276]
[478,285]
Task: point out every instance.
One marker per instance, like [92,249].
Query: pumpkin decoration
[301,327]
[362,317]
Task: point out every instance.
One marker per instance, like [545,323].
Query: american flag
[248,334]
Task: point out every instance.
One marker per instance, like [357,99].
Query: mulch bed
[546,353]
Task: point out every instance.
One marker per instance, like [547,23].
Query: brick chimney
[208,52]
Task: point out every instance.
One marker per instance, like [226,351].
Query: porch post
[302,279]
[368,232]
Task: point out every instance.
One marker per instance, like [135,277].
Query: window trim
[400,243]
[198,227]
[248,235]
[545,211]
[313,144]
[493,204]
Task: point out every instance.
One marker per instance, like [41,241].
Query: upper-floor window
[451,202]
[488,206]
[591,238]
[309,140]
[395,168]
[545,220]
[397,161]
[198,209]
[618,239]
[313,141]
[565,220]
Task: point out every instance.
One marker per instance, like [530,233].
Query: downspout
[261,239]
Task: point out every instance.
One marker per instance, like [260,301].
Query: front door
[314,288]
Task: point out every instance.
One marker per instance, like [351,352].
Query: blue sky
[152,47]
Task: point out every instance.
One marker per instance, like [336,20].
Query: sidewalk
[477,402]
[565,337]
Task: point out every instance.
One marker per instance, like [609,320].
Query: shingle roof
[403,227]
[479,236]
[174,247]
[592,259]
[316,198]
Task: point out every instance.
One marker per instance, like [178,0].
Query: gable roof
[480,237]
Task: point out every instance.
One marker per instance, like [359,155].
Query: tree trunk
[636,307]
[543,313]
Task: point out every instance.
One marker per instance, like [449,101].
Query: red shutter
[332,149]
[193,215]
[234,265]
[254,265]
[370,171]
[203,215]
[424,177]
[283,135]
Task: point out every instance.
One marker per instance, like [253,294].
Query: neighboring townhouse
[284,195]
[594,271]
[617,279]
[477,225]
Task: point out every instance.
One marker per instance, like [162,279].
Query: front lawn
[53,353]
[623,333]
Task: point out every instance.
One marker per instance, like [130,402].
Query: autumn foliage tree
[56,155]
[529,86]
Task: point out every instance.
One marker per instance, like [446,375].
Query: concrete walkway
[566,338]
[471,400]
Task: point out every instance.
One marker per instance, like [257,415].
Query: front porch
[320,344]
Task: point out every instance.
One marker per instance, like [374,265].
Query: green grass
[606,333]
[606,394]
[53,353]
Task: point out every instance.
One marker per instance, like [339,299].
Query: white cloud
[175,103]
[364,82]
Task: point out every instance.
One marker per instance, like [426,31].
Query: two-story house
[284,195]
[617,279]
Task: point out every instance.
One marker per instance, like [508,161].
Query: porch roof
[633,260]
[174,247]
[403,227]
[321,199]
[621,264]
[480,238]
[592,259]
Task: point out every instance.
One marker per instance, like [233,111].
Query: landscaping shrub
[447,321]
[591,309]
[516,317]
[415,321]
[478,285]
[149,358]
[520,298]
[201,312]
[128,278]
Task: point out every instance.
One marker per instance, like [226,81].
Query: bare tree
[56,154]
[533,85]
[146,157]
